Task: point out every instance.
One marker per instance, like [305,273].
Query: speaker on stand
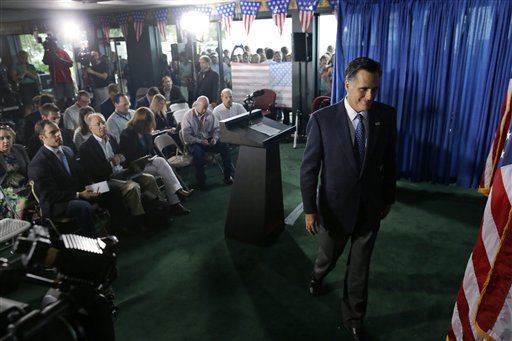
[302,46]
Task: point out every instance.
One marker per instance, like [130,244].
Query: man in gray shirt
[117,122]
[201,134]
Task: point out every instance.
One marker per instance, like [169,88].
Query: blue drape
[446,66]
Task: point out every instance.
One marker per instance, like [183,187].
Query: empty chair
[178,106]
[178,115]
[320,102]
[179,159]
[267,103]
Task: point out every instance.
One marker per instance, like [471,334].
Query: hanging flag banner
[122,20]
[499,141]
[205,10]
[138,23]
[483,308]
[279,9]
[307,9]
[105,26]
[227,12]
[249,11]
[247,78]
[161,16]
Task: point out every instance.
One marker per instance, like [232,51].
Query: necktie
[359,140]
[63,160]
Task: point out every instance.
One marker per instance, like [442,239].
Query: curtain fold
[446,66]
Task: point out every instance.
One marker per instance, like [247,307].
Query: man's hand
[311,223]
[89,70]
[205,142]
[385,211]
[87,194]
[213,142]
[116,160]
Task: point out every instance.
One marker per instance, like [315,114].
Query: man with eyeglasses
[71,114]
[117,122]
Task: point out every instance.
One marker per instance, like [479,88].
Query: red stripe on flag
[463,308]
[480,261]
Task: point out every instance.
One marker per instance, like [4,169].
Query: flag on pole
[483,310]
[227,12]
[105,26]
[122,19]
[249,11]
[279,9]
[161,16]
[247,78]
[497,146]
[138,23]
[306,9]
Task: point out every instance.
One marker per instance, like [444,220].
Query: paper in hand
[99,187]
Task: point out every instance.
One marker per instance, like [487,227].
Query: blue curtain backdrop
[446,66]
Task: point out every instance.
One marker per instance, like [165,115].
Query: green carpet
[189,283]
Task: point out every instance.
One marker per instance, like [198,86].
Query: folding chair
[178,106]
[178,115]
[180,159]
[210,157]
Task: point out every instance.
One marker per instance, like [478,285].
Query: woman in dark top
[13,175]
[136,142]
[163,120]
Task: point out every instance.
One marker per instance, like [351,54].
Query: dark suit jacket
[344,189]
[34,143]
[93,160]
[22,159]
[131,146]
[107,108]
[53,185]
[208,85]
[142,102]
[175,95]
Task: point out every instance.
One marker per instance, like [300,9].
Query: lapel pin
[377,124]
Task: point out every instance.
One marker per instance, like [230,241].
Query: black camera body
[83,56]
[49,44]
[80,306]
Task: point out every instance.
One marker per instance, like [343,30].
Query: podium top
[252,129]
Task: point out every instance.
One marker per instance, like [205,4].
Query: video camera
[80,306]
[49,44]
[83,56]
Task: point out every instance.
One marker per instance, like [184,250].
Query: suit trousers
[355,291]
[133,191]
[197,151]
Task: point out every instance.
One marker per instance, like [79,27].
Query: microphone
[255,94]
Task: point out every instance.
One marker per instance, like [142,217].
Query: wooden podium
[256,212]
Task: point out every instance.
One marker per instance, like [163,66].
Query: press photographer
[59,63]
[80,304]
[98,74]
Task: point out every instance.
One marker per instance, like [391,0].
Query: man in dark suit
[60,181]
[171,93]
[351,145]
[146,100]
[107,108]
[207,81]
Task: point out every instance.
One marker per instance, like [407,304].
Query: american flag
[122,19]
[247,78]
[105,26]
[138,23]
[307,9]
[279,9]
[227,12]
[497,146]
[205,10]
[161,16]
[483,310]
[249,11]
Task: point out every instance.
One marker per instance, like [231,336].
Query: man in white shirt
[228,108]
[71,115]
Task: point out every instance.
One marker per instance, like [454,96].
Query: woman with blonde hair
[136,142]
[13,175]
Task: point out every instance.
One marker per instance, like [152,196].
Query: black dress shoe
[228,181]
[315,287]
[358,333]
[179,209]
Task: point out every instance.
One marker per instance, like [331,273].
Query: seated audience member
[146,100]
[201,134]
[82,133]
[116,123]
[100,158]
[107,107]
[50,112]
[31,119]
[171,93]
[136,141]
[13,175]
[227,108]
[164,121]
[60,181]
[71,114]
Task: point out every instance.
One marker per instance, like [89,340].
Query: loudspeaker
[302,45]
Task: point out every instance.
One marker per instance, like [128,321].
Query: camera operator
[59,63]
[98,73]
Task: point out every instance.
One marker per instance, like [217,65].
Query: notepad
[264,129]
[98,187]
